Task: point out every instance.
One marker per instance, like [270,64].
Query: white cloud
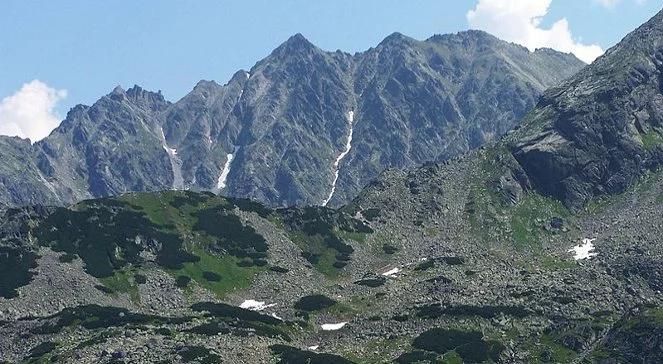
[519,21]
[608,3]
[30,112]
[611,4]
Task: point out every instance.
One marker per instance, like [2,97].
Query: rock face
[21,181]
[286,121]
[114,146]
[283,125]
[603,128]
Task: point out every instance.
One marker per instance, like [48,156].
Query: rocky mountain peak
[146,99]
[239,76]
[118,90]
[396,39]
[297,44]
[118,93]
[601,129]
[205,86]
[283,137]
[471,36]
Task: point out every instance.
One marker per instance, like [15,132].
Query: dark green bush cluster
[16,264]
[232,237]
[103,234]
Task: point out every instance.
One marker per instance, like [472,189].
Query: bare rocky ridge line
[419,101]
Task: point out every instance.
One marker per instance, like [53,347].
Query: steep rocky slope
[433,264]
[281,133]
[114,146]
[602,129]
[404,102]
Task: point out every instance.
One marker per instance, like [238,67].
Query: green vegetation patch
[372,282]
[42,349]
[225,318]
[487,312]
[530,217]
[103,233]
[96,317]
[495,212]
[290,355]
[221,310]
[194,235]
[565,342]
[123,281]
[319,232]
[316,302]
[470,346]
[417,356]
[652,139]
[555,263]
[16,265]
[231,236]
[215,272]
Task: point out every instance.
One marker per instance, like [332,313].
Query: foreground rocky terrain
[435,265]
[476,260]
[302,127]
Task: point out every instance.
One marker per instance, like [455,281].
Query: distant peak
[118,94]
[550,51]
[240,76]
[135,89]
[473,35]
[204,84]
[476,33]
[297,38]
[295,44]
[141,96]
[396,38]
[395,35]
[118,90]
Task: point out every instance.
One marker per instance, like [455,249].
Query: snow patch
[584,250]
[254,305]
[221,184]
[171,151]
[344,153]
[175,163]
[392,272]
[333,327]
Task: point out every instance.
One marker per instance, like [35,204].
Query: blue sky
[87,47]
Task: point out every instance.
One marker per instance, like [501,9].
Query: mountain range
[302,127]
[543,246]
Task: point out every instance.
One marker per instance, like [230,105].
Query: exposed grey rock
[287,120]
[602,129]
